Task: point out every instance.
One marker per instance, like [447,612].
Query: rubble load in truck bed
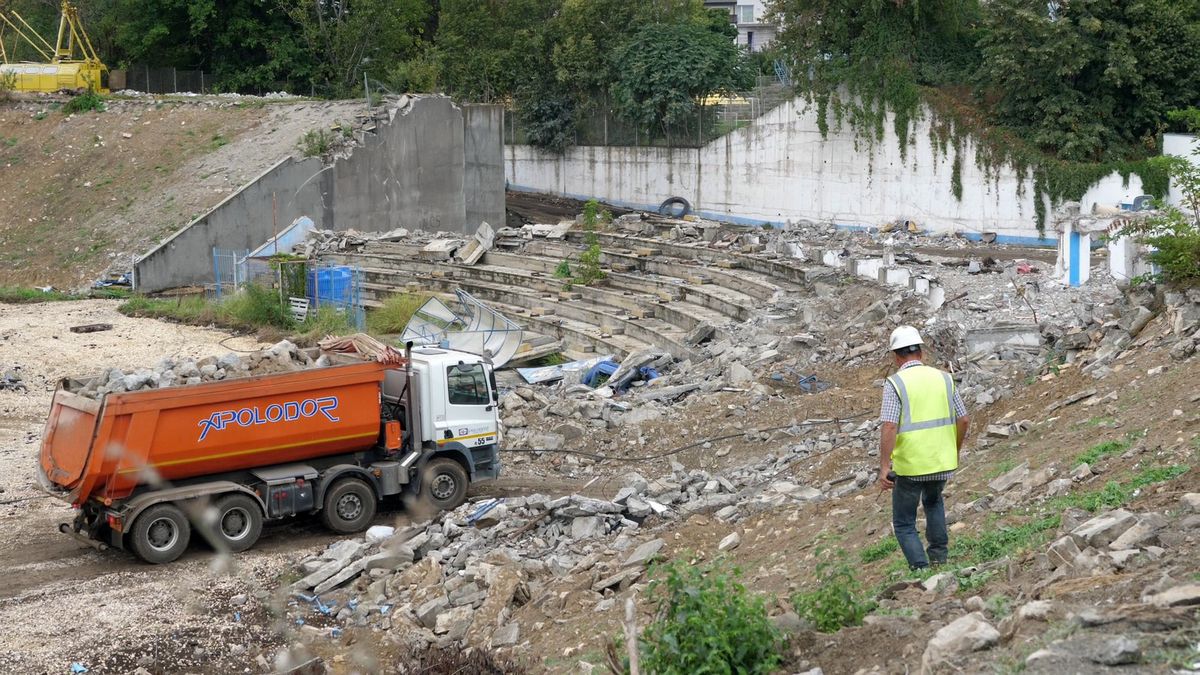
[282,357]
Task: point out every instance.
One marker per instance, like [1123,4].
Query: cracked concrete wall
[430,167]
[243,221]
[780,168]
[483,178]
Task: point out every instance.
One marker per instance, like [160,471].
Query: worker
[924,426]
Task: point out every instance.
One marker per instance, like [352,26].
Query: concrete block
[894,276]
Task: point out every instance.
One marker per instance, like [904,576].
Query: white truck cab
[455,416]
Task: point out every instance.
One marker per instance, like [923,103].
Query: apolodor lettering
[272,414]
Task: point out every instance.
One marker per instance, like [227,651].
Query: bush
[316,143]
[588,271]
[322,322]
[87,101]
[706,622]
[837,602]
[256,305]
[8,82]
[563,271]
[395,313]
[1173,235]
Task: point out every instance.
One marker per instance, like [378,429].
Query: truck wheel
[444,484]
[349,506]
[160,534]
[239,523]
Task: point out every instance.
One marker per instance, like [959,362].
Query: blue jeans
[905,496]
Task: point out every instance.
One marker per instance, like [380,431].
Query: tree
[1093,80]
[862,59]
[667,67]
[349,37]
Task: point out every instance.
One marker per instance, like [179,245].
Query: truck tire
[160,534]
[444,484]
[239,523]
[349,506]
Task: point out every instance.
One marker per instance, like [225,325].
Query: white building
[754,33]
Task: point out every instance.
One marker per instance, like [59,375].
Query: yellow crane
[71,64]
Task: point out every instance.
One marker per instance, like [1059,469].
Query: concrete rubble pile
[333,241]
[280,358]
[462,575]
[11,380]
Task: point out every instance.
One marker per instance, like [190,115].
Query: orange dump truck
[147,469]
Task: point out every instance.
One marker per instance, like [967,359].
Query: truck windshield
[467,385]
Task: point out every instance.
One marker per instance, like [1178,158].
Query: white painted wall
[1180,145]
[780,169]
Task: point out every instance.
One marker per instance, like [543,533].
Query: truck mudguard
[140,503]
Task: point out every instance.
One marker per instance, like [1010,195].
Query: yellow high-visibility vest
[927,436]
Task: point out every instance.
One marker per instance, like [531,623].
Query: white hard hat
[904,336]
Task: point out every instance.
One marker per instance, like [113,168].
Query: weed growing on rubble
[879,550]
[706,621]
[85,102]
[563,271]
[1108,448]
[395,312]
[316,143]
[838,600]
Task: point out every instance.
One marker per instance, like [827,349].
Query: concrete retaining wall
[484,167]
[417,171]
[780,168]
[243,221]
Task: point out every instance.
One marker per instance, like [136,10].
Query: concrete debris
[282,357]
[969,633]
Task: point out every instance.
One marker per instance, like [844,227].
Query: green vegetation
[879,550]
[692,60]
[999,605]
[706,621]
[1056,90]
[563,271]
[16,295]
[1001,542]
[1115,493]
[1173,235]
[8,82]
[1102,450]
[395,313]
[254,308]
[85,102]
[316,143]
[837,601]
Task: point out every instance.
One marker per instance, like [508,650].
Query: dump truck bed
[104,449]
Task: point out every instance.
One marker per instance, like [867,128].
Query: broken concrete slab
[1104,529]
[644,553]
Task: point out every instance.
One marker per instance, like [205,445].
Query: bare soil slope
[80,194]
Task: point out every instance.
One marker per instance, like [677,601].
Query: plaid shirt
[890,412]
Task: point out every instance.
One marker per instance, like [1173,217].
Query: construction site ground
[86,192]
[120,614]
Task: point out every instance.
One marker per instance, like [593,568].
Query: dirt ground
[63,602]
[80,192]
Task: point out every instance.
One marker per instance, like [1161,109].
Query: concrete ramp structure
[429,165]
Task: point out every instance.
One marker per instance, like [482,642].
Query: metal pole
[202,82]
[174,80]
[367,89]
[148,80]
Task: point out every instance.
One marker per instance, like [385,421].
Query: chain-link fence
[162,80]
[304,286]
[714,117]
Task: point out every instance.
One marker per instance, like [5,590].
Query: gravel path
[62,602]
